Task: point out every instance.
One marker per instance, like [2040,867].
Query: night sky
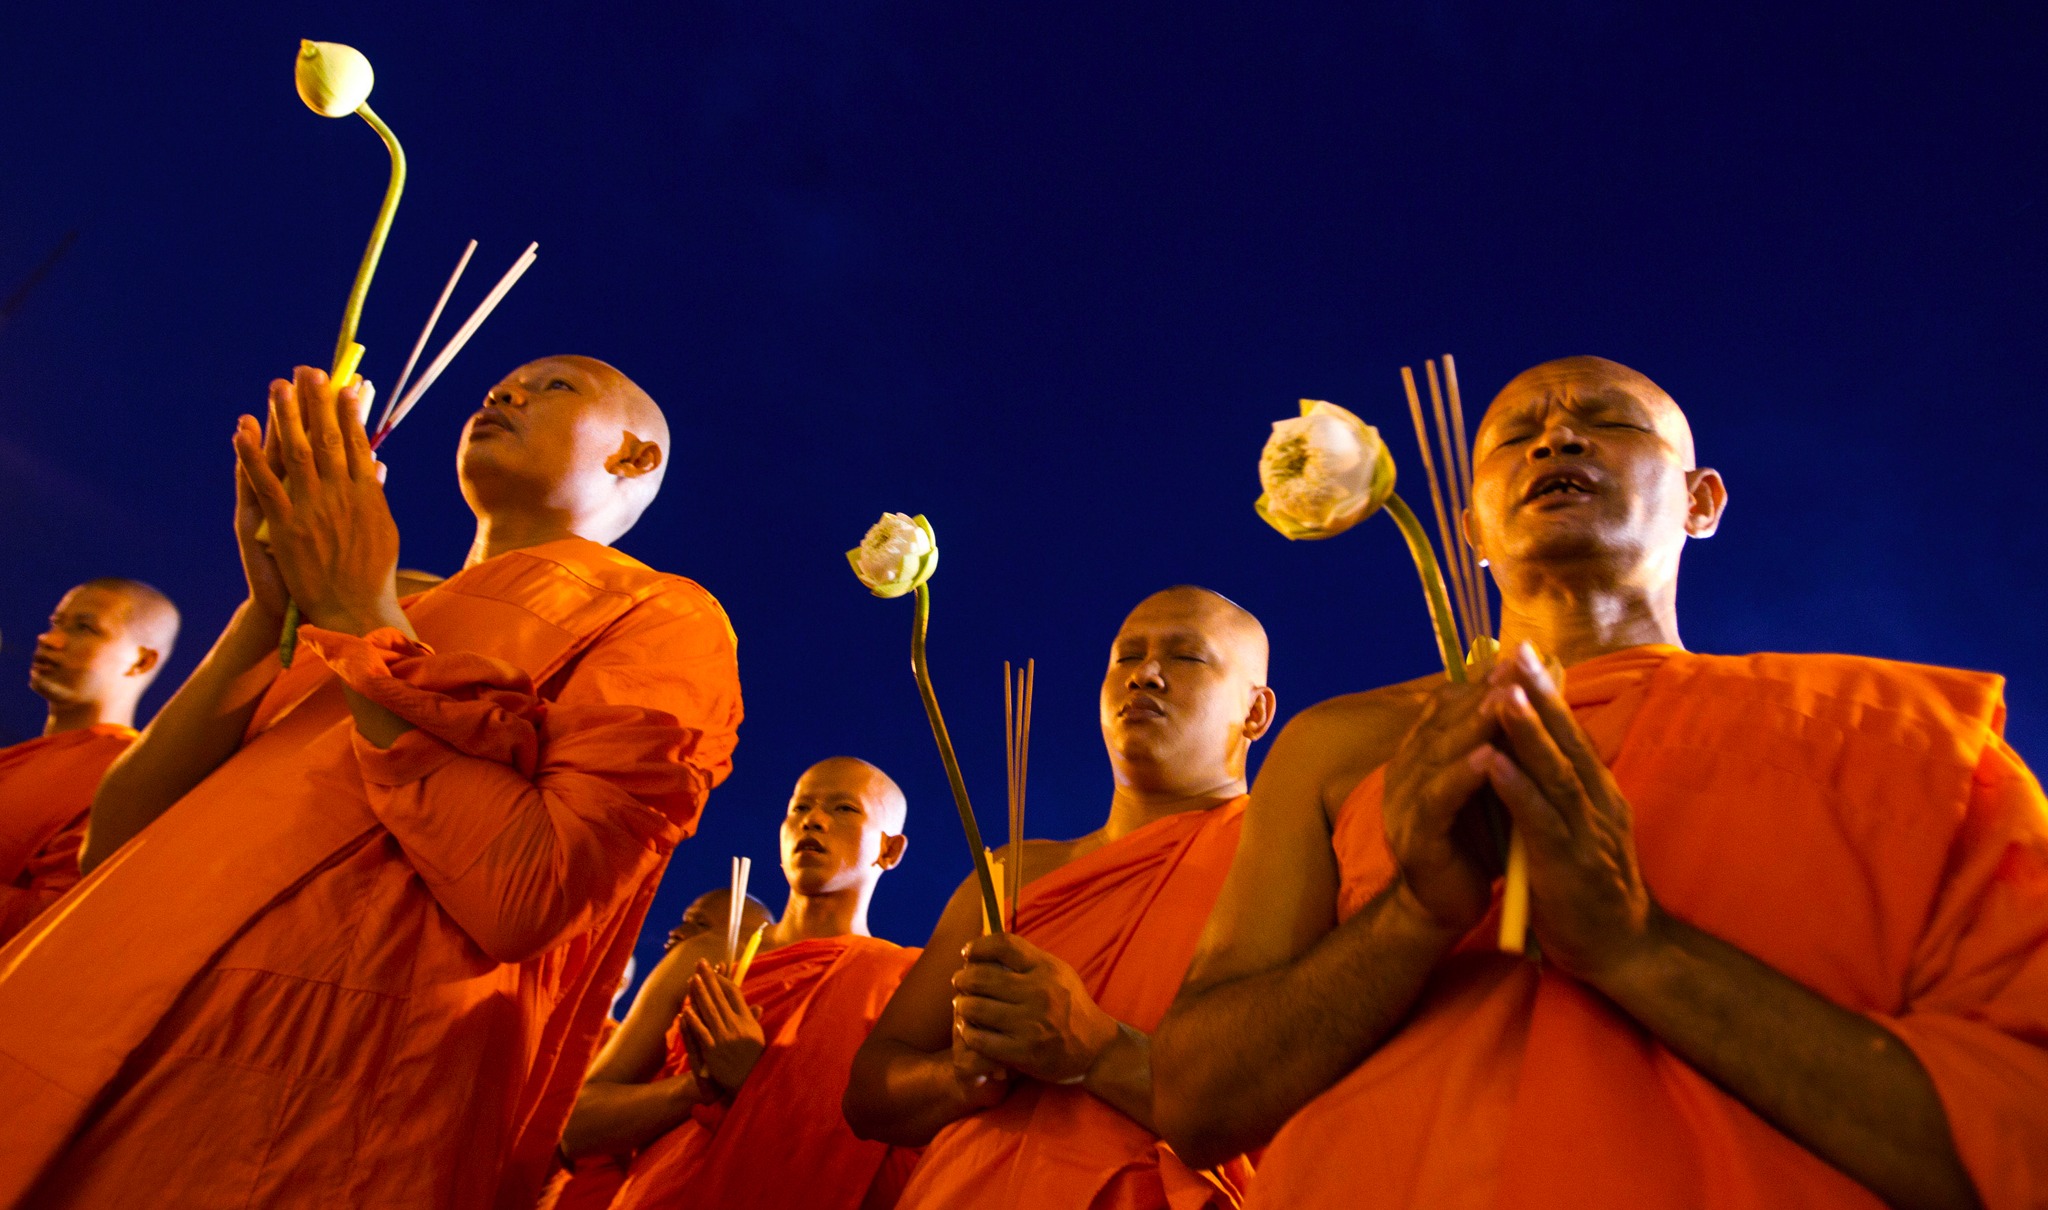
[1046,273]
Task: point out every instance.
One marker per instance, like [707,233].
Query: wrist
[1110,1037]
[1639,967]
[1410,919]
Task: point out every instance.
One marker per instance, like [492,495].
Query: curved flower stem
[347,353]
[1424,555]
[920,623]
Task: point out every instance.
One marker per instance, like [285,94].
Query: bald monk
[592,1180]
[730,1093]
[1024,1060]
[108,639]
[348,932]
[1793,910]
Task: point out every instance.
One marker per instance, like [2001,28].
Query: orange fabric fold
[782,1141]
[46,789]
[1126,917]
[378,974]
[1856,824]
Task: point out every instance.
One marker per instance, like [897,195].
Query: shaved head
[707,914]
[1585,374]
[843,829]
[152,619]
[569,437]
[890,806]
[106,641]
[1185,694]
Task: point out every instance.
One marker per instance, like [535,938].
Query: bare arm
[622,1105]
[1840,1084]
[1279,1002]
[913,1077]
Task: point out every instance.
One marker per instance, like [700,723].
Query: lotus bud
[898,554]
[1324,472]
[334,80]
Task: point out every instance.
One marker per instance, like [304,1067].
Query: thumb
[757,1012]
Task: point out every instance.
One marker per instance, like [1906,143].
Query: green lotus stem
[920,622]
[1424,554]
[352,314]
[347,353]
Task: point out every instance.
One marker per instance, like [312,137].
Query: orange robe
[359,977]
[46,788]
[593,1181]
[782,1142]
[1126,917]
[1856,824]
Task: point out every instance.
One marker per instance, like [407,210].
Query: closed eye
[560,384]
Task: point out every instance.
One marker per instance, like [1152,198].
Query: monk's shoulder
[1858,690]
[1355,733]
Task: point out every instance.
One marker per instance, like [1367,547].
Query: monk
[730,1092]
[592,1180]
[348,931]
[1792,910]
[108,639]
[1022,1061]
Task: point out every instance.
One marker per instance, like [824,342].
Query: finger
[268,493]
[995,1047]
[289,428]
[1548,699]
[1543,829]
[991,980]
[273,448]
[1537,754]
[349,405]
[1445,794]
[318,401]
[695,1025]
[981,1011]
[735,999]
[710,1006]
[1004,949]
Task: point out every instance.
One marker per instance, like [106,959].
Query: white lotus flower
[334,80]
[1324,472]
[899,553]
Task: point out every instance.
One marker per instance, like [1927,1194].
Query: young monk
[348,933]
[592,1180]
[108,639]
[1023,1059]
[730,1093]
[1792,910]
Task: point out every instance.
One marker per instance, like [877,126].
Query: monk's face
[1584,461]
[705,915]
[557,435]
[1185,692]
[88,652]
[843,827]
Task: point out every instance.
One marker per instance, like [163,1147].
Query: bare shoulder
[1334,744]
[1042,857]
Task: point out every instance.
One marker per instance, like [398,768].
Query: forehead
[102,603]
[836,780]
[584,376]
[1576,390]
[1183,619]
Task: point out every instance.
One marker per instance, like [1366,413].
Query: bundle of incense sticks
[1474,607]
[1017,751]
[401,401]
[736,908]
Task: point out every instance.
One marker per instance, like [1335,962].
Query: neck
[830,914]
[498,534]
[1575,621]
[77,716]
[1137,803]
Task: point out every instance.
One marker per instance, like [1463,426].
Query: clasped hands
[310,476]
[721,1031]
[1511,734]
[1017,1008]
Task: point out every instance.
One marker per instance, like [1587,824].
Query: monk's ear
[1259,719]
[891,855]
[635,458]
[1469,531]
[1708,499]
[146,659]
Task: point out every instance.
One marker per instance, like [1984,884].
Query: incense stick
[419,346]
[462,334]
[736,908]
[1019,780]
[995,871]
[1010,704]
[1436,495]
[1454,537]
[1480,595]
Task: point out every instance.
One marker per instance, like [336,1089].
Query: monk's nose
[1559,441]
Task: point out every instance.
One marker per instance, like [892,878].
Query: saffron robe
[339,975]
[46,789]
[782,1142]
[1126,917]
[1858,825]
[593,1181]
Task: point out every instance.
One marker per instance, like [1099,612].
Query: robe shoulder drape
[46,789]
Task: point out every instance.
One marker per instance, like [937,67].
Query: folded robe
[46,789]
[341,975]
[1126,917]
[783,1142]
[1856,824]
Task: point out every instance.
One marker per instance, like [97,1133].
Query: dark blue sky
[1047,274]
